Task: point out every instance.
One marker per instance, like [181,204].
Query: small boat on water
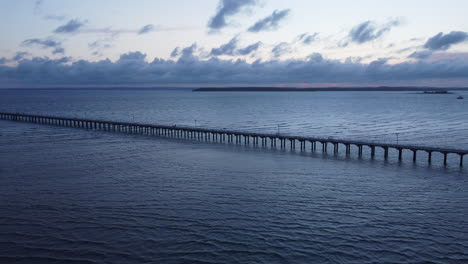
[460,97]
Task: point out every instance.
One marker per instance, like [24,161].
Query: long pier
[237,137]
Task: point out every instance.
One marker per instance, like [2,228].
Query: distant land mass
[332,89]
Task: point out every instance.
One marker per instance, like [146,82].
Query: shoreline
[335,89]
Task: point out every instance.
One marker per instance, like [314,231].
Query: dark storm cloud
[444,41]
[227,8]
[307,38]
[420,55]
[3,60]
[71,26]
[146,29]
[48,43]
[270,22]
[231,48]
[369,30]
[135,68]
[281,49]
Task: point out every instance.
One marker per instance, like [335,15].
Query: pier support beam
[324,147]
[212,135]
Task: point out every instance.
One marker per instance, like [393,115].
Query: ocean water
[435,120]
[76,196]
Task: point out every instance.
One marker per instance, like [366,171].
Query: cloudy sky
[304,43]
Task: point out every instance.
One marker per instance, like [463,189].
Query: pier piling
[217,135]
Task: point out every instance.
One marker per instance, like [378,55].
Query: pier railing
[238,137]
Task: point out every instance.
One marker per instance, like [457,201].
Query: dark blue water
[435,120]
[76,196]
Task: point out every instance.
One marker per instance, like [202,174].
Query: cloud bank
[134,69]
[270,22]
[226,9]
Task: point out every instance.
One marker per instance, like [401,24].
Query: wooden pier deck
[237,137]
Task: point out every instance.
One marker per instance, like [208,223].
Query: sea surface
[80,196]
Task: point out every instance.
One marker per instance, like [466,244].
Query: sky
[209,43]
